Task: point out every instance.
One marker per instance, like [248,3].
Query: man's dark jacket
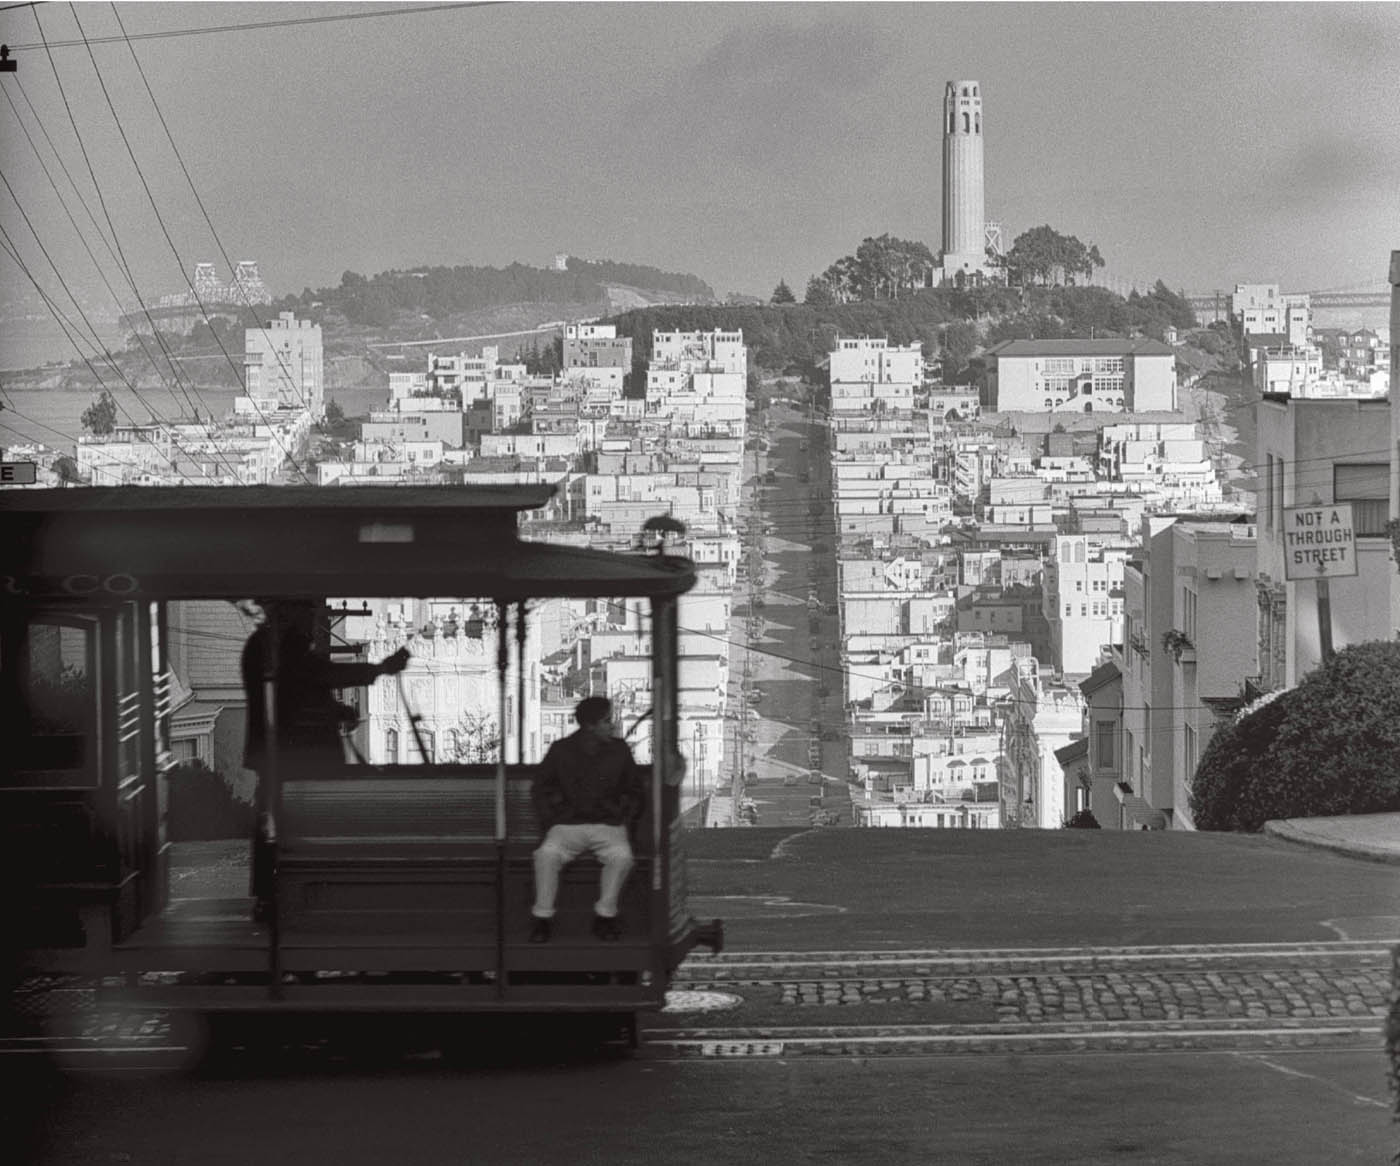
[586,779]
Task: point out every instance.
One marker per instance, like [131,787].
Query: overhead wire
[140,338]
[254,26]
[123,264]
[170,137]
[131,153]
[71,331]
[155,209]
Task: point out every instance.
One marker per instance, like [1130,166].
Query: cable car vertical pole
[520,683]
[271,812]
[502,689]
[663,733]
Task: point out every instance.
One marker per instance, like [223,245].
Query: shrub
[1329,746]
[1083,820]
[203,806]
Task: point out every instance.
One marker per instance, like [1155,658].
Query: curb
[1290,831]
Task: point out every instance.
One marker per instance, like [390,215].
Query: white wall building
[1083,376]
[284,361]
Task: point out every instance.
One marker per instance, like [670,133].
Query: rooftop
[1139,347]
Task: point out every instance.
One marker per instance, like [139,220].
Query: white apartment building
[1043,716]
[1082,601]
[701,350]
[404,385]
[870,359]
[1083,376]
[284,361]
[1262,310]
[869,376]
[1287,369]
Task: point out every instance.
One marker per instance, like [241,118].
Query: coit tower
[964,226]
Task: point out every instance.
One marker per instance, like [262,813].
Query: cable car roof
[244,541]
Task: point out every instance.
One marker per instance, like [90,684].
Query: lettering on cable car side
[119,584]
[80,584]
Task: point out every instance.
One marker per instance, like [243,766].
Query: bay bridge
[1215,305]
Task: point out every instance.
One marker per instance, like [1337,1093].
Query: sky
[743,143]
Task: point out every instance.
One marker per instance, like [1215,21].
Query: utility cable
[126,267]
[252,26]
[70,330]
[287,373]
[155,209]
[140,339]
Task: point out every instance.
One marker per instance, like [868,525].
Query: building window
[1269,492]
[1105,736]
[1367,488]
[391,746]
[1188,753]
[1188,613]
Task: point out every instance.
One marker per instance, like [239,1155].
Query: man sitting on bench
[588,791]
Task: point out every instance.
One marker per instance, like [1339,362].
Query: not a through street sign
[1319,542]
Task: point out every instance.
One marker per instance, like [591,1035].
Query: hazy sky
[1202,144]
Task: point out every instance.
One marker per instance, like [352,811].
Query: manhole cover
[692,1001]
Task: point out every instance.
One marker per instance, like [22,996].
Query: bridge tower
[248,283]
[964,219]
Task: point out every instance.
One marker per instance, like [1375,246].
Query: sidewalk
[1372,836]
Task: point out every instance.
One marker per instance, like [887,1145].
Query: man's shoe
[541,930]
[609,930]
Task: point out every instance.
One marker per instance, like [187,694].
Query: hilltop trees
[782,294]
[882,268]
[1043,256]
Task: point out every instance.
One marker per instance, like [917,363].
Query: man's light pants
[562,845]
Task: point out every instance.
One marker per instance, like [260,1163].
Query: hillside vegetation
[442,292]
[951,324]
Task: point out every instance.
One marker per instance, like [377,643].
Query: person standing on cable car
[308,715]
[588,791]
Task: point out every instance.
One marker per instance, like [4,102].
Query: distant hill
[440,293]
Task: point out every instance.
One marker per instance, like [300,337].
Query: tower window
[967,123]
[978,123]
[964,90]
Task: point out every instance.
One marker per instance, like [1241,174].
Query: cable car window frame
[17,657]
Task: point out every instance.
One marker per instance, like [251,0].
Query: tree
[1330,746]
[1043,256]
[958,343]
[67,470]
[100,418]
[475,739]
[818,293]
[782,294]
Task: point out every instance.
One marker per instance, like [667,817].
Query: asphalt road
[891,889]
[1231,1108]
[794,659]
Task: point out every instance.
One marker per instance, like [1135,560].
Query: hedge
[1330,746]
[203,806]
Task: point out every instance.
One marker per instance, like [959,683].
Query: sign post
[1319,543]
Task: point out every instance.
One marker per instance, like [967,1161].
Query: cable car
[396,888]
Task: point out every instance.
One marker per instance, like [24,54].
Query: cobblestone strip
[866,965]
[1012,1043]
[1278,993]
[702,960]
